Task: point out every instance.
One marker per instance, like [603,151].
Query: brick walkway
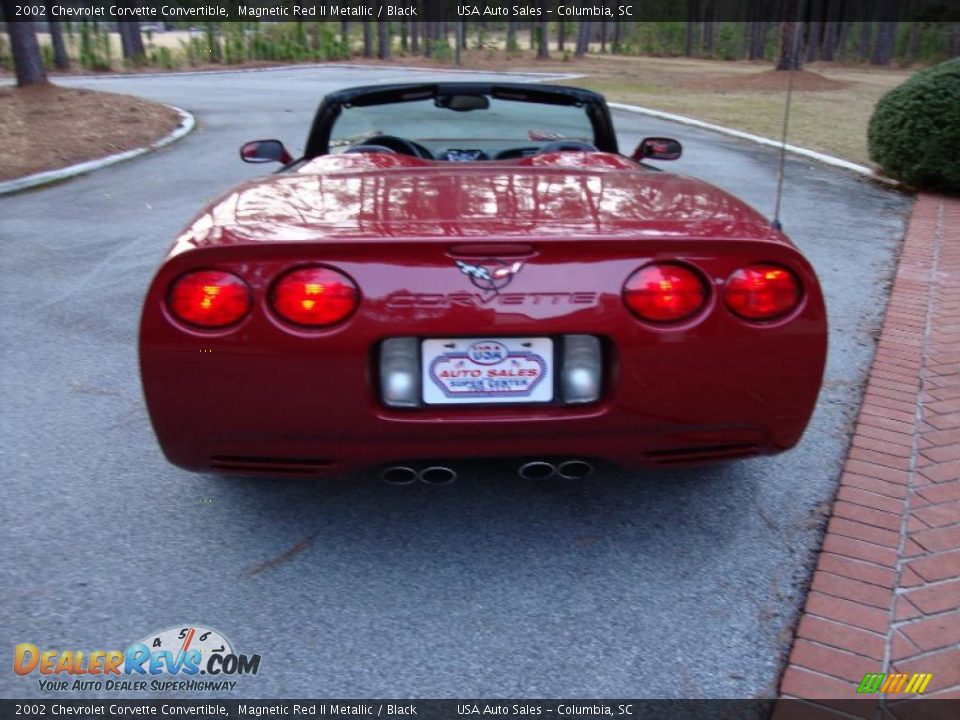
[885,596]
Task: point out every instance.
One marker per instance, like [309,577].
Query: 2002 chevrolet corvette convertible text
[465,270]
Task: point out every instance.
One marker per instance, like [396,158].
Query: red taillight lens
[762,292]
[209,298]
[314,296]
[664,293]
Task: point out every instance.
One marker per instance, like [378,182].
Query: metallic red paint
[265,394]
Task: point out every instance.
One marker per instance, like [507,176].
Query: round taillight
[209,298]
[664,293]
[314,296]
[762,292]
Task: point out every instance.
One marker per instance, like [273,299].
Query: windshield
[503,129]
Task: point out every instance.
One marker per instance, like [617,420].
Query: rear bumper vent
[239,463]
[703,453]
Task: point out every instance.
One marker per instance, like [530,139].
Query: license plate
[487,370]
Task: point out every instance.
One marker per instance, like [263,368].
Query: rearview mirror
[462,103]
[657,148]
[262,151]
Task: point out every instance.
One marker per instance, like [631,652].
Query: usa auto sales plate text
[487,370]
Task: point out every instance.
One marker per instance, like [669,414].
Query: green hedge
[914,134]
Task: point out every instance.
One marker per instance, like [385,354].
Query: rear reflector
[762,292]
[209,298]
[314,297]
[582,369]
[400,372]
[664,293]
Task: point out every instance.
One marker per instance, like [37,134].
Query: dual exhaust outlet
[404,475]
[442,475]
[568,470]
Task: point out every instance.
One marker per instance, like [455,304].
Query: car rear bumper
[255,410]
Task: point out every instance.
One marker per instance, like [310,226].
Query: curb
[314,66]
[187,123]
[759,139]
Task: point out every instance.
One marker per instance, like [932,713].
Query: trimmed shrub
[914,134]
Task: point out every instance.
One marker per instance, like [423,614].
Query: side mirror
[657,148]
[262,151]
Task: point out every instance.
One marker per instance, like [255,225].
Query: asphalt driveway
[676,583]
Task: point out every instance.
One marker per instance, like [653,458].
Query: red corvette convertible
[470,270]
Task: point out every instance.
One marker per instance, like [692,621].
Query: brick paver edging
[885,595]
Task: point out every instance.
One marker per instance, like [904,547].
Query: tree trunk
[543,41]
[814,30]
[125,45]
[60,58]
[790,30]
[913,43]
[789,47]
[511,36]
[750,30]
[27,61]
[383,40]
[885,43]
[405,36]
[414,37]
[842,37]
[561,36]
[345,36]
[710,28]
[367,40]
[866,32]
[953,44]
[130,39]
[137,41]
[458,43]
[831,31]
[691,39]
[603,36]
[758,40]
[583,39]
[213,41]
[615,48]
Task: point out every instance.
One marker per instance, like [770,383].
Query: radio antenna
[776,225]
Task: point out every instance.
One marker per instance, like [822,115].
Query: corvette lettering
[468,299]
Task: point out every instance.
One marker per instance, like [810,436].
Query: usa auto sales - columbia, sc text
[527,11]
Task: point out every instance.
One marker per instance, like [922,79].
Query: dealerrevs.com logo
[185,658]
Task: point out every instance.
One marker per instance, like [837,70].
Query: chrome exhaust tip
[536,470]
[574,469]
[438,475]
[398,475]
